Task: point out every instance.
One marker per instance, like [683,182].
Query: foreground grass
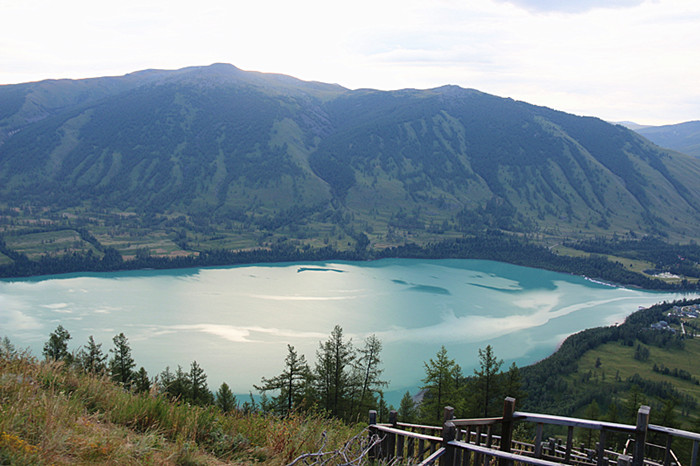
[51,414]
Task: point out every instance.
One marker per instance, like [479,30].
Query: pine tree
[91,358]
[7,349]
[56,348]
[141,381]
[368,374]
[486,378]
[333,380]
[199,393]
[179,386]
[592,412]
[122,364]
[164,380]
[225,399]
[291,383]
[635,399]
[441,385]
[512,384]
[407,409]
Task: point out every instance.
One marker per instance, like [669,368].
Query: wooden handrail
[674,432]
[454,446]
[406,433]
[486,421]
[571,422]
[502,454]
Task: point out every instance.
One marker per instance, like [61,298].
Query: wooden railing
[482,442]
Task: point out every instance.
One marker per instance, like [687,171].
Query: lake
[236,321]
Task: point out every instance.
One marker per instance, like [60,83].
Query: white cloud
[574,6]
[617,59]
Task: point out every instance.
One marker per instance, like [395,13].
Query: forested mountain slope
[206,153]
[683,137]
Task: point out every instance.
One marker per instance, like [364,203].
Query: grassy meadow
[53,414]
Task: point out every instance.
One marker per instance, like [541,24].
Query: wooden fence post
[390,452]
[624,460]
[640,436]
[449,432]
[601,449]
[373,451]
[667,453]
[448,414]
[507,425]
[538,440]
[569,444]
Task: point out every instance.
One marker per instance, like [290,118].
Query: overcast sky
[616,59]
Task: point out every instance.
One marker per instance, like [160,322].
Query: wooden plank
[502,454]
[640,437]
[486,421]
[602,461]
[569,444]
[675,432]
[392,430]
[432,458]
[538,441]
[571,422]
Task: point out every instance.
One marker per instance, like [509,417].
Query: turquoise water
[236,321]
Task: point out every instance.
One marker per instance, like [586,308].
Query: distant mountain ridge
[249,152]
[683,137]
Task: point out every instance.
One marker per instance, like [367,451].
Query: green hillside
[173,163]
[683,137]
[618,368]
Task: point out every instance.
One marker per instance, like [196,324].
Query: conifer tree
[122,364]
[487,378]
[164,380]
[141,381]
[441,385]
[368,374]
[407,409]
[179,385]
[332,376]
[225,399]
[592,412]
[291,384]
[7,349]
[199,393]
[512,384]
[91,358]
[56,348]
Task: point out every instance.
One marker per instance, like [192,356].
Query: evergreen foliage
[441,383]
[121,365]
[91,358]
[56,348]
[408,409]
[197,390]
[367,376]
[485,380]
[225,400]
[141,382]
[293,384]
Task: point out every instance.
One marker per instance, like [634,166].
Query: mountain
[631,125]
[683,137]
[219,157]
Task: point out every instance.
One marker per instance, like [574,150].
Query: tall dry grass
[54,414]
